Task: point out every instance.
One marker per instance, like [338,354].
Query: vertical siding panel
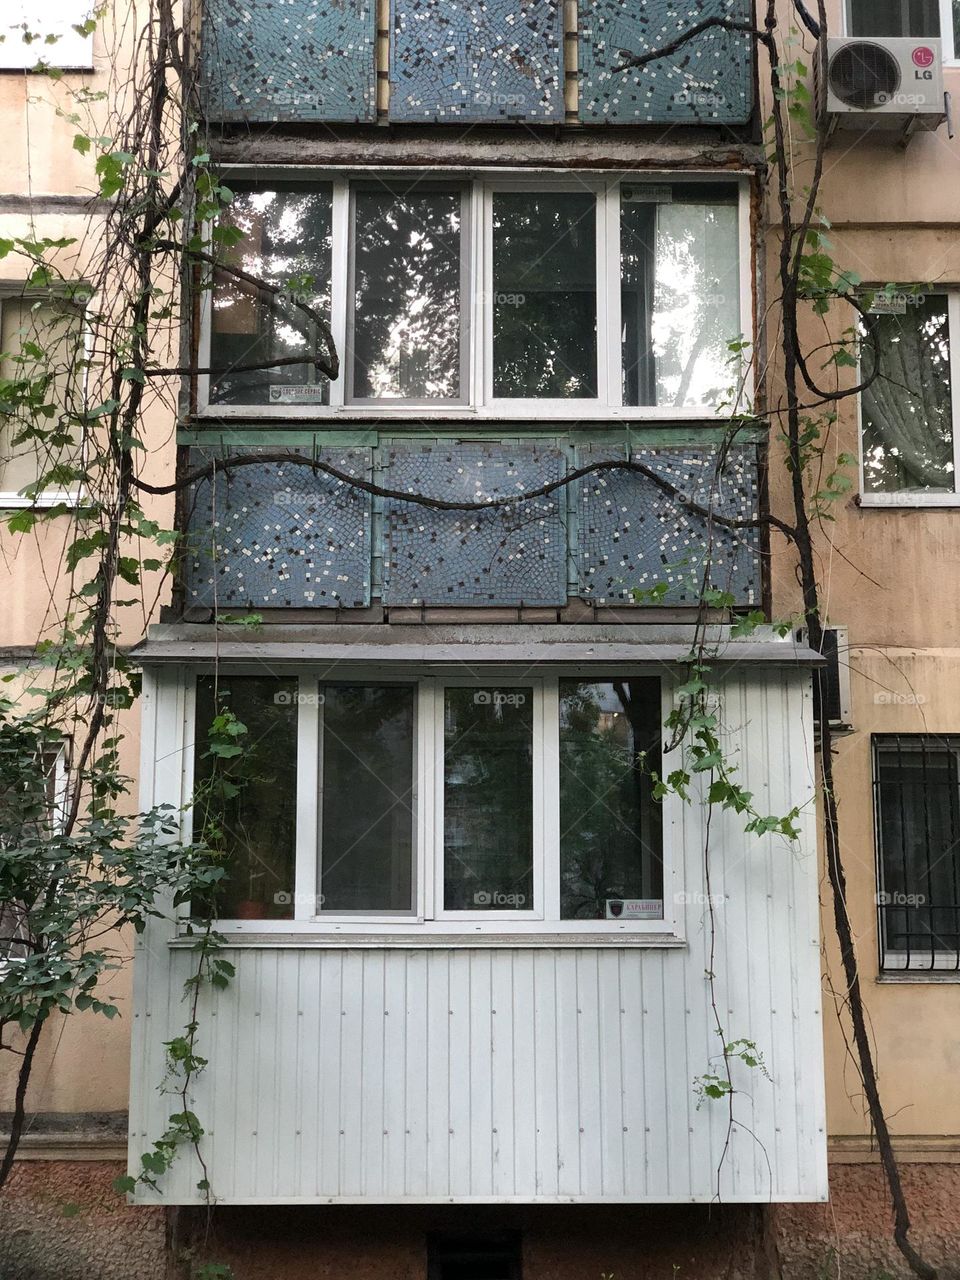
[610,1052]
[546,1051]
[568,1076]
[590,1048]
[525,1144]
[287,1047]
[423,1033]
[481,1073]
[329,1059]
[395,1029]
[352,1075]
[634,1071]
[372,1119]
[447,1098]
[308,1069]
[503,1070]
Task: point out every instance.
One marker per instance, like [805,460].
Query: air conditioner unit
[833,680]
[885,83]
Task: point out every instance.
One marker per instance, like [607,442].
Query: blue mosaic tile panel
[707,81]
[481,60]
[289,60]
[633,534]
[280,536]
[512,556]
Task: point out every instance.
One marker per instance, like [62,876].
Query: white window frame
[10,500]
[430,919]
[476,308]
[919,498]
[71,52]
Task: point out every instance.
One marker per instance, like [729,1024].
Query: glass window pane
[919,809]
[488,799]
[545,295]
[41,354]
[907,411]
[680,298]
[246,805]
[367,799]
[611,841]
[287,242]
[406,324]
[895,18]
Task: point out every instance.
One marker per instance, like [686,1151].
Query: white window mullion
[548,771]
[946,30]
[436,848]
[428,851]
[953,334]
[609,300]
[340,283]
[484,373]
[309,781]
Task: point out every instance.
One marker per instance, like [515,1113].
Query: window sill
[541,413]
[884,502]
[898,977]
[43,501]
[314,939]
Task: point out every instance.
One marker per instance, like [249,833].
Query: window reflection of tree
[545,295]
[610,826]
[288,235]
[406,338]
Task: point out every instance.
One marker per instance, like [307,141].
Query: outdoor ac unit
[894,84]
[833,680]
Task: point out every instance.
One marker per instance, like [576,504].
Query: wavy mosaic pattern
[280,536]
[289,60]
[634,534]
[707,81]
[481,60]
[513,556]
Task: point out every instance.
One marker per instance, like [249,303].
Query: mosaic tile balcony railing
[480,61]
[282,535]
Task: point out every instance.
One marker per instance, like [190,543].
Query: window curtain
[907,420]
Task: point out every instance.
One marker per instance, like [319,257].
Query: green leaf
[81,143]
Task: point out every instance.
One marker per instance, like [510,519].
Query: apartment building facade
[480,964]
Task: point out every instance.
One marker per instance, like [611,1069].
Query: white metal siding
[516,1072]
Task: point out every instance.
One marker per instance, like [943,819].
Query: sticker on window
[634,908]
[311,394]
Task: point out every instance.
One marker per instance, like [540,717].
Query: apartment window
[45,33]
[444,802]
[42,357]
[919,19]
[500,296]
[908,429]
[917,804]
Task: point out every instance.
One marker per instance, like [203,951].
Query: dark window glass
[407,295]
[488,799]
[918,812]
[366,837]
[474,1259]
[545,295]
[287,234]
[245,805]
[611,842]
[907,410]
[895,18]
